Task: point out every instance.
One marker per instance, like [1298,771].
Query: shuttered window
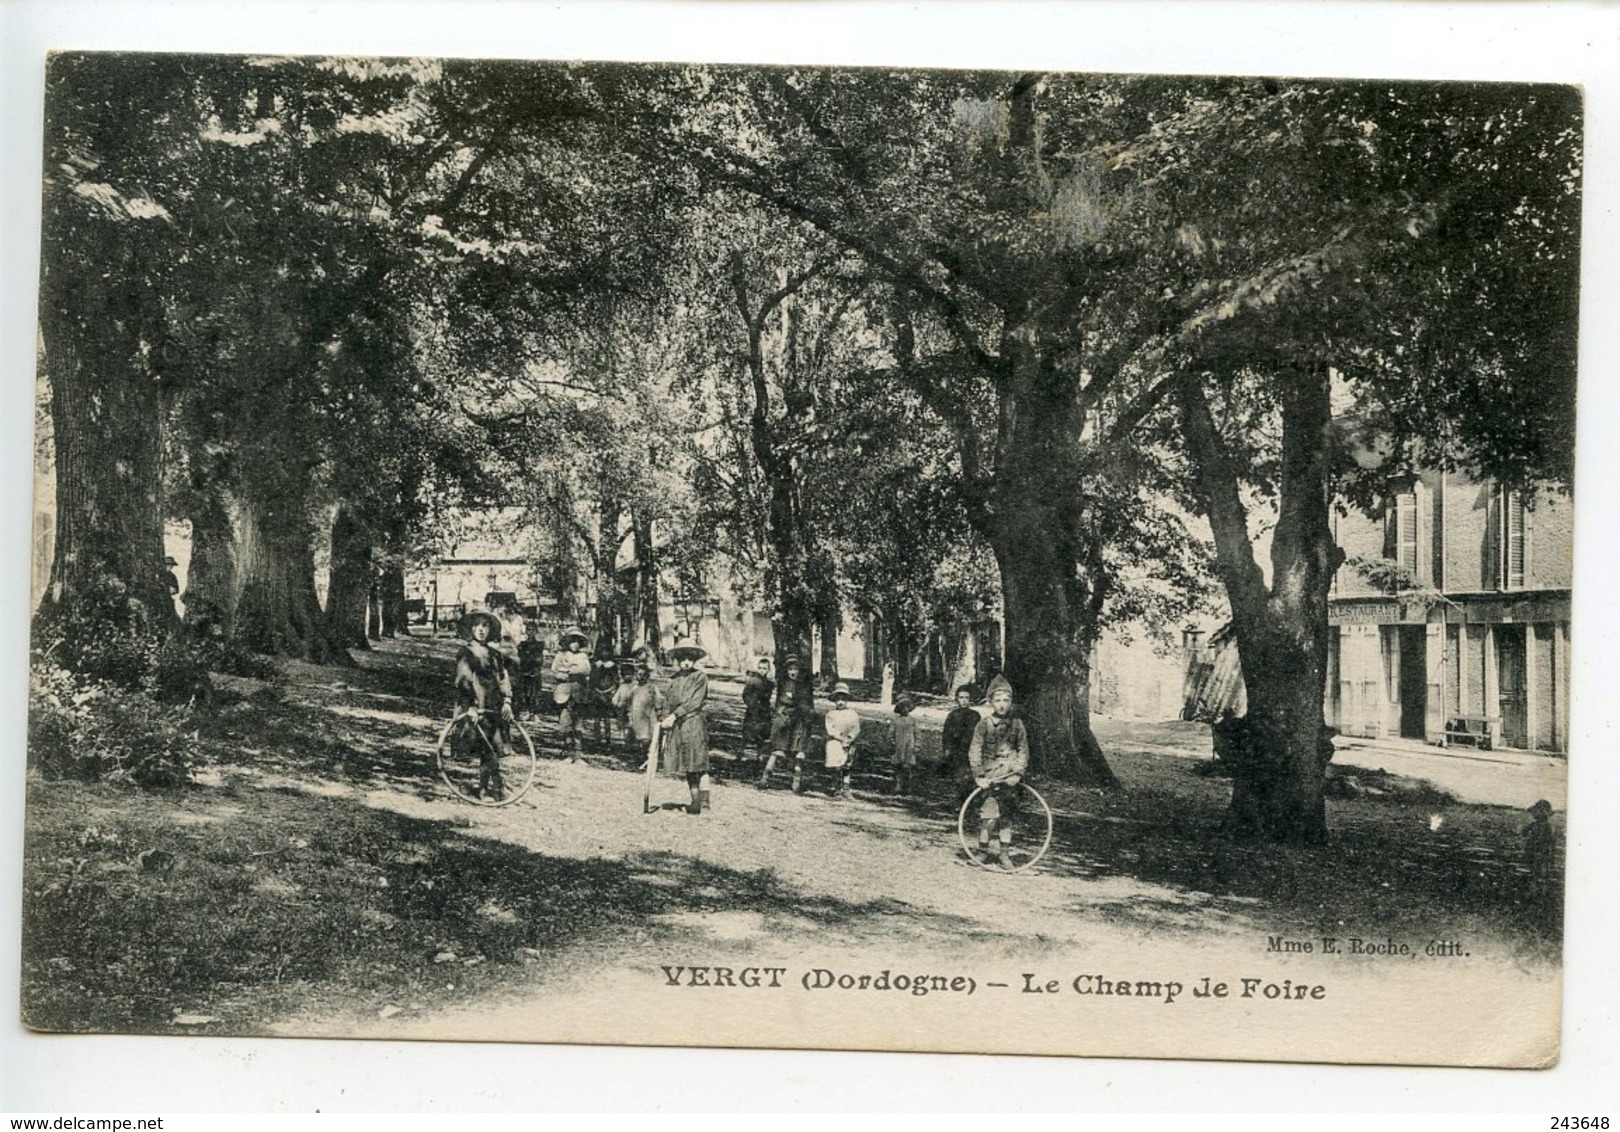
[1406,533]
[1513,541]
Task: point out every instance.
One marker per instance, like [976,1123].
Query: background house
[1453,614]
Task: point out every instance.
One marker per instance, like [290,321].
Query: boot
[765,774]
[703,793]
[844,794]
[1002,859]
[798,776]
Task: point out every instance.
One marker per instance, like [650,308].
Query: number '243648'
[1576,1123]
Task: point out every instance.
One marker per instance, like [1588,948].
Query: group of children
[778,718]
[989,752]
[980,751]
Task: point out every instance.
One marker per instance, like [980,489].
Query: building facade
[1450,618]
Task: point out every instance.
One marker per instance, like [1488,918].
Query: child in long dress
[646,702]
[905,743]
[621,700]
[687,748]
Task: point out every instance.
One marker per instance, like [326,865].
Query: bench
[1469,730]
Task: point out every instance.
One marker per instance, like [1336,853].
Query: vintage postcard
[795,557]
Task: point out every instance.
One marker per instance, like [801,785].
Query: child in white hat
[843,728]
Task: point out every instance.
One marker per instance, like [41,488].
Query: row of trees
[898,341]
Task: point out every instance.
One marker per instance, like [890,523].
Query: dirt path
[318,879]
[763,870]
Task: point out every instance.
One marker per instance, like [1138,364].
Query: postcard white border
[1575,42]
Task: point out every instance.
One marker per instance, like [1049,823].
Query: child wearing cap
[843,728]
[571,668]
[756,698]
[999,755]
[905,743]
[484,687]
[686,751]
[790,728]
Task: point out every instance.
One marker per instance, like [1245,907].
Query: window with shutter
[1406,534]
[1513,541]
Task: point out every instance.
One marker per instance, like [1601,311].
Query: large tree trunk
[106,417]
[1051,605]
[794,618]
[1048,658]
[394,620]
[829,623]
[348,592]
[212,579]
[789,577]
[609,596]
[1278,753]
[279,612]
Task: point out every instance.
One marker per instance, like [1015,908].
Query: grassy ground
[317,868]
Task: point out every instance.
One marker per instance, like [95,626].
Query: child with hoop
[999,756]
[483,685]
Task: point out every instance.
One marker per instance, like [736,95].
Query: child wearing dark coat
[791,724]
[756,698]
[686,750]
[955,741]
[1541,851]
[531,655]
[484,691]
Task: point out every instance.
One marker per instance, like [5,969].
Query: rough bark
[392,585]
[1031,505]
[212,575]
[828,625]
[1051,605]
[348,592]
[106,416]
[609,596]
[1048,661]
[278,611]
[1278,755]
[787,535]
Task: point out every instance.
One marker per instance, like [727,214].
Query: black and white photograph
[803,557]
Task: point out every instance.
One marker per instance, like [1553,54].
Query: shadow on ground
[266,905]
